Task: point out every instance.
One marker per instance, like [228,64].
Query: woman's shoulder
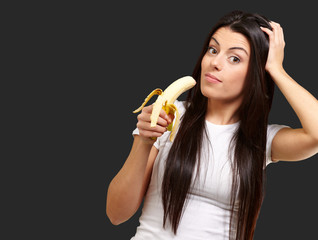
[274,128]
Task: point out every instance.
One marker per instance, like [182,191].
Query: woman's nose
[216,63]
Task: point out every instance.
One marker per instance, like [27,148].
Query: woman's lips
[211,78]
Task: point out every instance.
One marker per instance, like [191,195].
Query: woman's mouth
[211,78]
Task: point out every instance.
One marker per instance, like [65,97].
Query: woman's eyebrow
[232,48]
[215,41]
[239,48]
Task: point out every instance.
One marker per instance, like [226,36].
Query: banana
[165,101]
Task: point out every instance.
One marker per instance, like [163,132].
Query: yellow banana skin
[165,101]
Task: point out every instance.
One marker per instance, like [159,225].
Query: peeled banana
[165,101]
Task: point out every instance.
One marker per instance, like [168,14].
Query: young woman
[209,182]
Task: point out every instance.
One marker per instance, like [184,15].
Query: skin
[128,188]
[226,59]
[291,144]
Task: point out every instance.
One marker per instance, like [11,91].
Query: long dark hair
[249,140]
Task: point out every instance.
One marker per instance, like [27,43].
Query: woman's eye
[234,59]
[212,50]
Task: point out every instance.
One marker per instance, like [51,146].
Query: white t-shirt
[207,213]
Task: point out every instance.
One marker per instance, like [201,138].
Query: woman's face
[224,66]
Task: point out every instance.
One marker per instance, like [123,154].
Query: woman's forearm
[302,102]
[126,190]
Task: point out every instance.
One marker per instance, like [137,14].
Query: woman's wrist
[276,72]
[146,140]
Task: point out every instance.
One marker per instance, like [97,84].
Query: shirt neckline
[222,125]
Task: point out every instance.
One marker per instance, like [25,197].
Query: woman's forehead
[225,37]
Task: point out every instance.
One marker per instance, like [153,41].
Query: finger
[146,126]
[162,122]
[269,33]
[168,117]
[273,23]
[164,119]
[279,33]
[276,26]
[266,30]
[171,117]
[164,115]
[149,134]
[144,122]
[144,117]
[147,109]
[276,35]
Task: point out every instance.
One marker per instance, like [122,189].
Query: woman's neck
[222,113]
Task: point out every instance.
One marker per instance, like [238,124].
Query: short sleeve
[135,132]
[272,130]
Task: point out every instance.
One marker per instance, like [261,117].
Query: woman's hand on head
[276,47]
[148,133]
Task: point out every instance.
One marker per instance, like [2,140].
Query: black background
[84,67]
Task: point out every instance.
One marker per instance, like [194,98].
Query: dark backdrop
[87,66]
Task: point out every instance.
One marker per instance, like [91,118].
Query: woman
[209,183]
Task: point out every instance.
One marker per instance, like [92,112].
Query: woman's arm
[127,189]
[292,144]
